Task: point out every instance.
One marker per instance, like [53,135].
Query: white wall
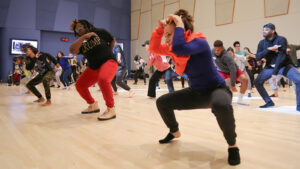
[247,23]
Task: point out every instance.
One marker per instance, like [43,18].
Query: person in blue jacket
[273,49]
[66,67]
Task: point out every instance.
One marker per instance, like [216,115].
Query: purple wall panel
[48,20]
[21,14]
[67,11]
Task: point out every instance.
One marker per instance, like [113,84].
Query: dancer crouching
[96,45]
[192,55]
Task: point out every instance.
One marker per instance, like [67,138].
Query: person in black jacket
[273,49]
[44,64]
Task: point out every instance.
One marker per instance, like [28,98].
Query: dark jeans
[46,79]
[155,78]
[292,74]
[120,79]
[113,84]
[183,77]
[64,77]
[139,72]
[218,99]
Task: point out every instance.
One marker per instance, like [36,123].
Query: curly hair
[86,24]
[187,19]
[26,46]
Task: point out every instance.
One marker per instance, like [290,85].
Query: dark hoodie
[275,60]
[41,65]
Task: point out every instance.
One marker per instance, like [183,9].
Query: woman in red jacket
[192,55]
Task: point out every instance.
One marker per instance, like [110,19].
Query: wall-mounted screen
[15,45]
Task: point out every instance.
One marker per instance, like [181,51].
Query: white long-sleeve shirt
[139,64]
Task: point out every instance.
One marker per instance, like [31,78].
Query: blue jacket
[117,49]
[64,63]
[200,67]
[279,59]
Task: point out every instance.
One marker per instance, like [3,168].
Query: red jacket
[156,47]
[160,62]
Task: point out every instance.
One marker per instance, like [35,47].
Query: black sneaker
[269,104]
[234,156]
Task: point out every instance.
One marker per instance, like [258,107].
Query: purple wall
[48,20]
[51,40]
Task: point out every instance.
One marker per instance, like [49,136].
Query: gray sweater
[226,64]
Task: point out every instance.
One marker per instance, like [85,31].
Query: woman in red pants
[96,45]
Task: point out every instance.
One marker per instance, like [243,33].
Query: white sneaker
[242,102]
[110,113]
[92,108]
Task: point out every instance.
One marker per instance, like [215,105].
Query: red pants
[237,75]
[103,76]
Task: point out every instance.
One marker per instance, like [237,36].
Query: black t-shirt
[97,50]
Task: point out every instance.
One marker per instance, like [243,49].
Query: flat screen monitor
[15,45]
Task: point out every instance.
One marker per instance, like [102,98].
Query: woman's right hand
[89,35]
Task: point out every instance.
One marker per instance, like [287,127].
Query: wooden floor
[59,137]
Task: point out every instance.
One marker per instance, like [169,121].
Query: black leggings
[138,73]
[218,99]
[120,80]
[282,82]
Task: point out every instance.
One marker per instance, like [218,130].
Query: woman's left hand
[177,20]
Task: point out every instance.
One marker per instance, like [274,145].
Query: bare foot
[131,93]
[115,93]
[39,100]
[48,103]
[177,134]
